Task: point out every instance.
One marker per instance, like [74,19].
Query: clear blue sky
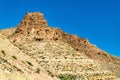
[97,20]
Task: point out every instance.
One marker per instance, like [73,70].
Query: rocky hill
[35,51]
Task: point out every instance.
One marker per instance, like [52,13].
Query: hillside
[35,51]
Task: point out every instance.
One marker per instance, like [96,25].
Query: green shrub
[17,69]
[29,63]
[67,77]
[38,70]
[14,57]
[3,52]
[3,60]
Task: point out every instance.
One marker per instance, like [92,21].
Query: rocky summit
[35,51]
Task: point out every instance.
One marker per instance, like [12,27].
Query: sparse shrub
[38,70]
[39,52]
[76,49]
[14,57]
[3,52]
[49,72]
[67,77]
[43,57]
[28,32]
[63,77]
[17,69]
[29,63]
[5,60]
[19,46]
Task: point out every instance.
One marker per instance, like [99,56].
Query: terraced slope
[15,65]
[60,59]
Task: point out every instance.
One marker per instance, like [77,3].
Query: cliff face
[59,55]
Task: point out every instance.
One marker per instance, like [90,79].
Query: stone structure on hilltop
[35,19]
[30,21]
